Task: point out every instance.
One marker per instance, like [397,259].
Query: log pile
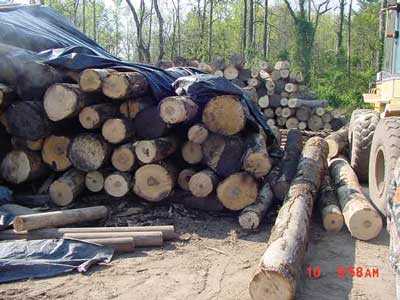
[106,133]
[280,92]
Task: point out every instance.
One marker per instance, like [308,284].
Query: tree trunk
[88,152]
[265,31]
[116,131]
[94,20]
[361,218]
[155,182]
[237,191]
[55,152]
[203,183]
[294,145]
[160,31]
[66,188]
[244,30]
[122,85]
[332,218]
[276,276]
[177,109]
[382,24]
[150,151]
[223,154]
[349,39]
[21,166]
[252,216]
[123,158]
[337,142]
[256,160]
[118,184]
[210,30]
[224,115]
[250,32]
[59,218]
[94,116]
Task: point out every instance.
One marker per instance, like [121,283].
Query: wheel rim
[380,171]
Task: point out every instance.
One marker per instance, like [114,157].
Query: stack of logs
[107,133]
[280,93]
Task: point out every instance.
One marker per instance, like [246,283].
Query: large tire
[384,152]
[361,130]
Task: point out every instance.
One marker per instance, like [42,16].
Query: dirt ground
[215,259]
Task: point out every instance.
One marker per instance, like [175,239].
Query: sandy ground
[215,259]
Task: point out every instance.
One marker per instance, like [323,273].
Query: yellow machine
[374,134]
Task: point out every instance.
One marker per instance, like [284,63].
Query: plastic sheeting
[22,259]
[52,39]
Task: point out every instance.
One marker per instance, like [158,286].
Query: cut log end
[203,183]
[177,109]
[120,85]
[60,102]
[197,134]
[123,158]
[271,283]
[257,164]
[89,118]
[94,181]
[332,218]
[90,80]
[249,220]
[366,224]
[117,184]
[54,152]
[115,131]
[237,191]
[16,167]
[184,178]
[61,193]
[192,153]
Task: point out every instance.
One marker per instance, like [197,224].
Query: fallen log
[66,188]
[255,159]
[209,203]
[59,218]
[64,100]
[252,215]
[119,244]
[294,146]
[237,191]
[281,263]
[21,166]
[203,183]
[361,218]
[88,152]
[338,141]
[224,115]
[118,184]
[94,116]
[295,102]
[149,151]
[177,109]
[332,218]
[155,182]
[55,152]
[122,85]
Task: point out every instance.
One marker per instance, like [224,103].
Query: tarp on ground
[48,37]
[25,259]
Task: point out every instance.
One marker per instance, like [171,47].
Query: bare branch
[291,11]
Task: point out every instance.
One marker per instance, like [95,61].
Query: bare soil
[215,259]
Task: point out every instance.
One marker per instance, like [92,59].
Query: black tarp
[24,259]
[50,38]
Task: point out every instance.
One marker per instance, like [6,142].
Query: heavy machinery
[374,134]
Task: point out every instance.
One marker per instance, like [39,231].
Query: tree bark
[265,31]
[256,160]
[161,51]
[277,273]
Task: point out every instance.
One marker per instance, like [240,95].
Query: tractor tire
[385,151]
[361,130]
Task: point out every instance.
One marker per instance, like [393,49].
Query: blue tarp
[50,38]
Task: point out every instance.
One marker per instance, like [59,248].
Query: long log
[117,130]
[55,152]
[122,85]
[59,218]
[88,152]
[94,116]
[223,154]
[123,157]
[338,141]
[332,218]
[155,182]
[252,215]
[119,244]
[91,80]
[28,120]
[237,191]
[21,166]
[178,109]
[361,218]
[64,100]
[295,102]
[203,183]
[224,115]
[66,188]
[281,263]
[209,203]
[118,184]
[294,146]
[149,151]
[255,159]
